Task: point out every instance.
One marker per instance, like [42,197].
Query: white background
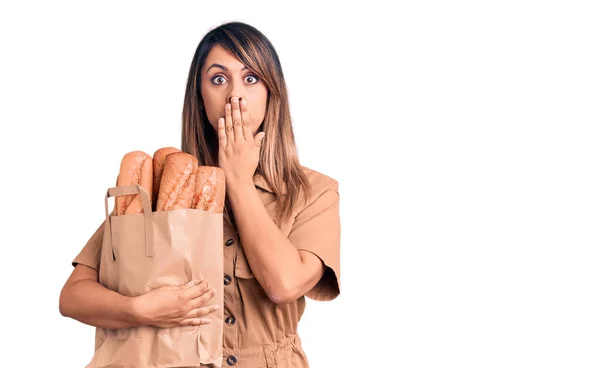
[464,136]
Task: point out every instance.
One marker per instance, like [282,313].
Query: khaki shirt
[257,332]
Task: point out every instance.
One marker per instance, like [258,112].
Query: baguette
[209,189]
[177,182]
[136,168]
[158,164]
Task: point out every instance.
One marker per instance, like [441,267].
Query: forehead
[221,56]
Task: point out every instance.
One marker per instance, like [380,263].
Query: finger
[194,291]
[237,119]
[258,139]
[201,311]
[189,284]
[229,124]
[194,321]
[245,119]
[203,299]
[221,133]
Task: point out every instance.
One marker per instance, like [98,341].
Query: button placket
[230,320]
[231,360]
[230,335]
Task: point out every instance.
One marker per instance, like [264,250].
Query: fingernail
[216,307]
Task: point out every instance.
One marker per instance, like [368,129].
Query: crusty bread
[209,192]
[177,182]
[136,168]
[174,179]
[158,161]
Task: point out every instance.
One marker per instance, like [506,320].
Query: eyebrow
[221,67]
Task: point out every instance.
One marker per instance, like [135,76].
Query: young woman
[281,238]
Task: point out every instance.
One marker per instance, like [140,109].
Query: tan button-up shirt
[257,332]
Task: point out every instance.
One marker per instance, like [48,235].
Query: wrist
[134,311]
[239,186]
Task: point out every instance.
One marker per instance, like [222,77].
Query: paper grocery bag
[144,251]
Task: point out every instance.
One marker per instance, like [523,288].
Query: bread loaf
[174,180]
[177,182]
[158,161]
[209,192]
[136,168]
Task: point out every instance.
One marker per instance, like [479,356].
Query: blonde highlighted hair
[278,162]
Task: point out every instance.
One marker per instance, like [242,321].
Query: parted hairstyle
[278,162]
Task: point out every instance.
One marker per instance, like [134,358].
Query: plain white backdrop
[464,136]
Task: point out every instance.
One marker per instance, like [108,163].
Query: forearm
[91,303]
[274,260]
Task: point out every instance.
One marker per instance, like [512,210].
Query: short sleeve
[90,254]
[317,229]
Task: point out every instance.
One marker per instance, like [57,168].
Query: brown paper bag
[144,251]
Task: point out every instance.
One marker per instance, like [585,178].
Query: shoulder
[319,183]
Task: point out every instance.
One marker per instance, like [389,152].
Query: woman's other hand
[175,305]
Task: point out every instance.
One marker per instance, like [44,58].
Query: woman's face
[223,77]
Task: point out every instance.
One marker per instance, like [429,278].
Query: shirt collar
[261,182]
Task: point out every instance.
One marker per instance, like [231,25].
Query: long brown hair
[278,163]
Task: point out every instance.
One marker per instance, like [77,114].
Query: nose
[230,96]
[235,91]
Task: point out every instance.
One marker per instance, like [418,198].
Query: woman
[282,225]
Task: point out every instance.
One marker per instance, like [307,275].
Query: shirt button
[229,242]
[227,279]
[230,320]
[231,360]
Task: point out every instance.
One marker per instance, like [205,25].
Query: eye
[218,77]
[252,77]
